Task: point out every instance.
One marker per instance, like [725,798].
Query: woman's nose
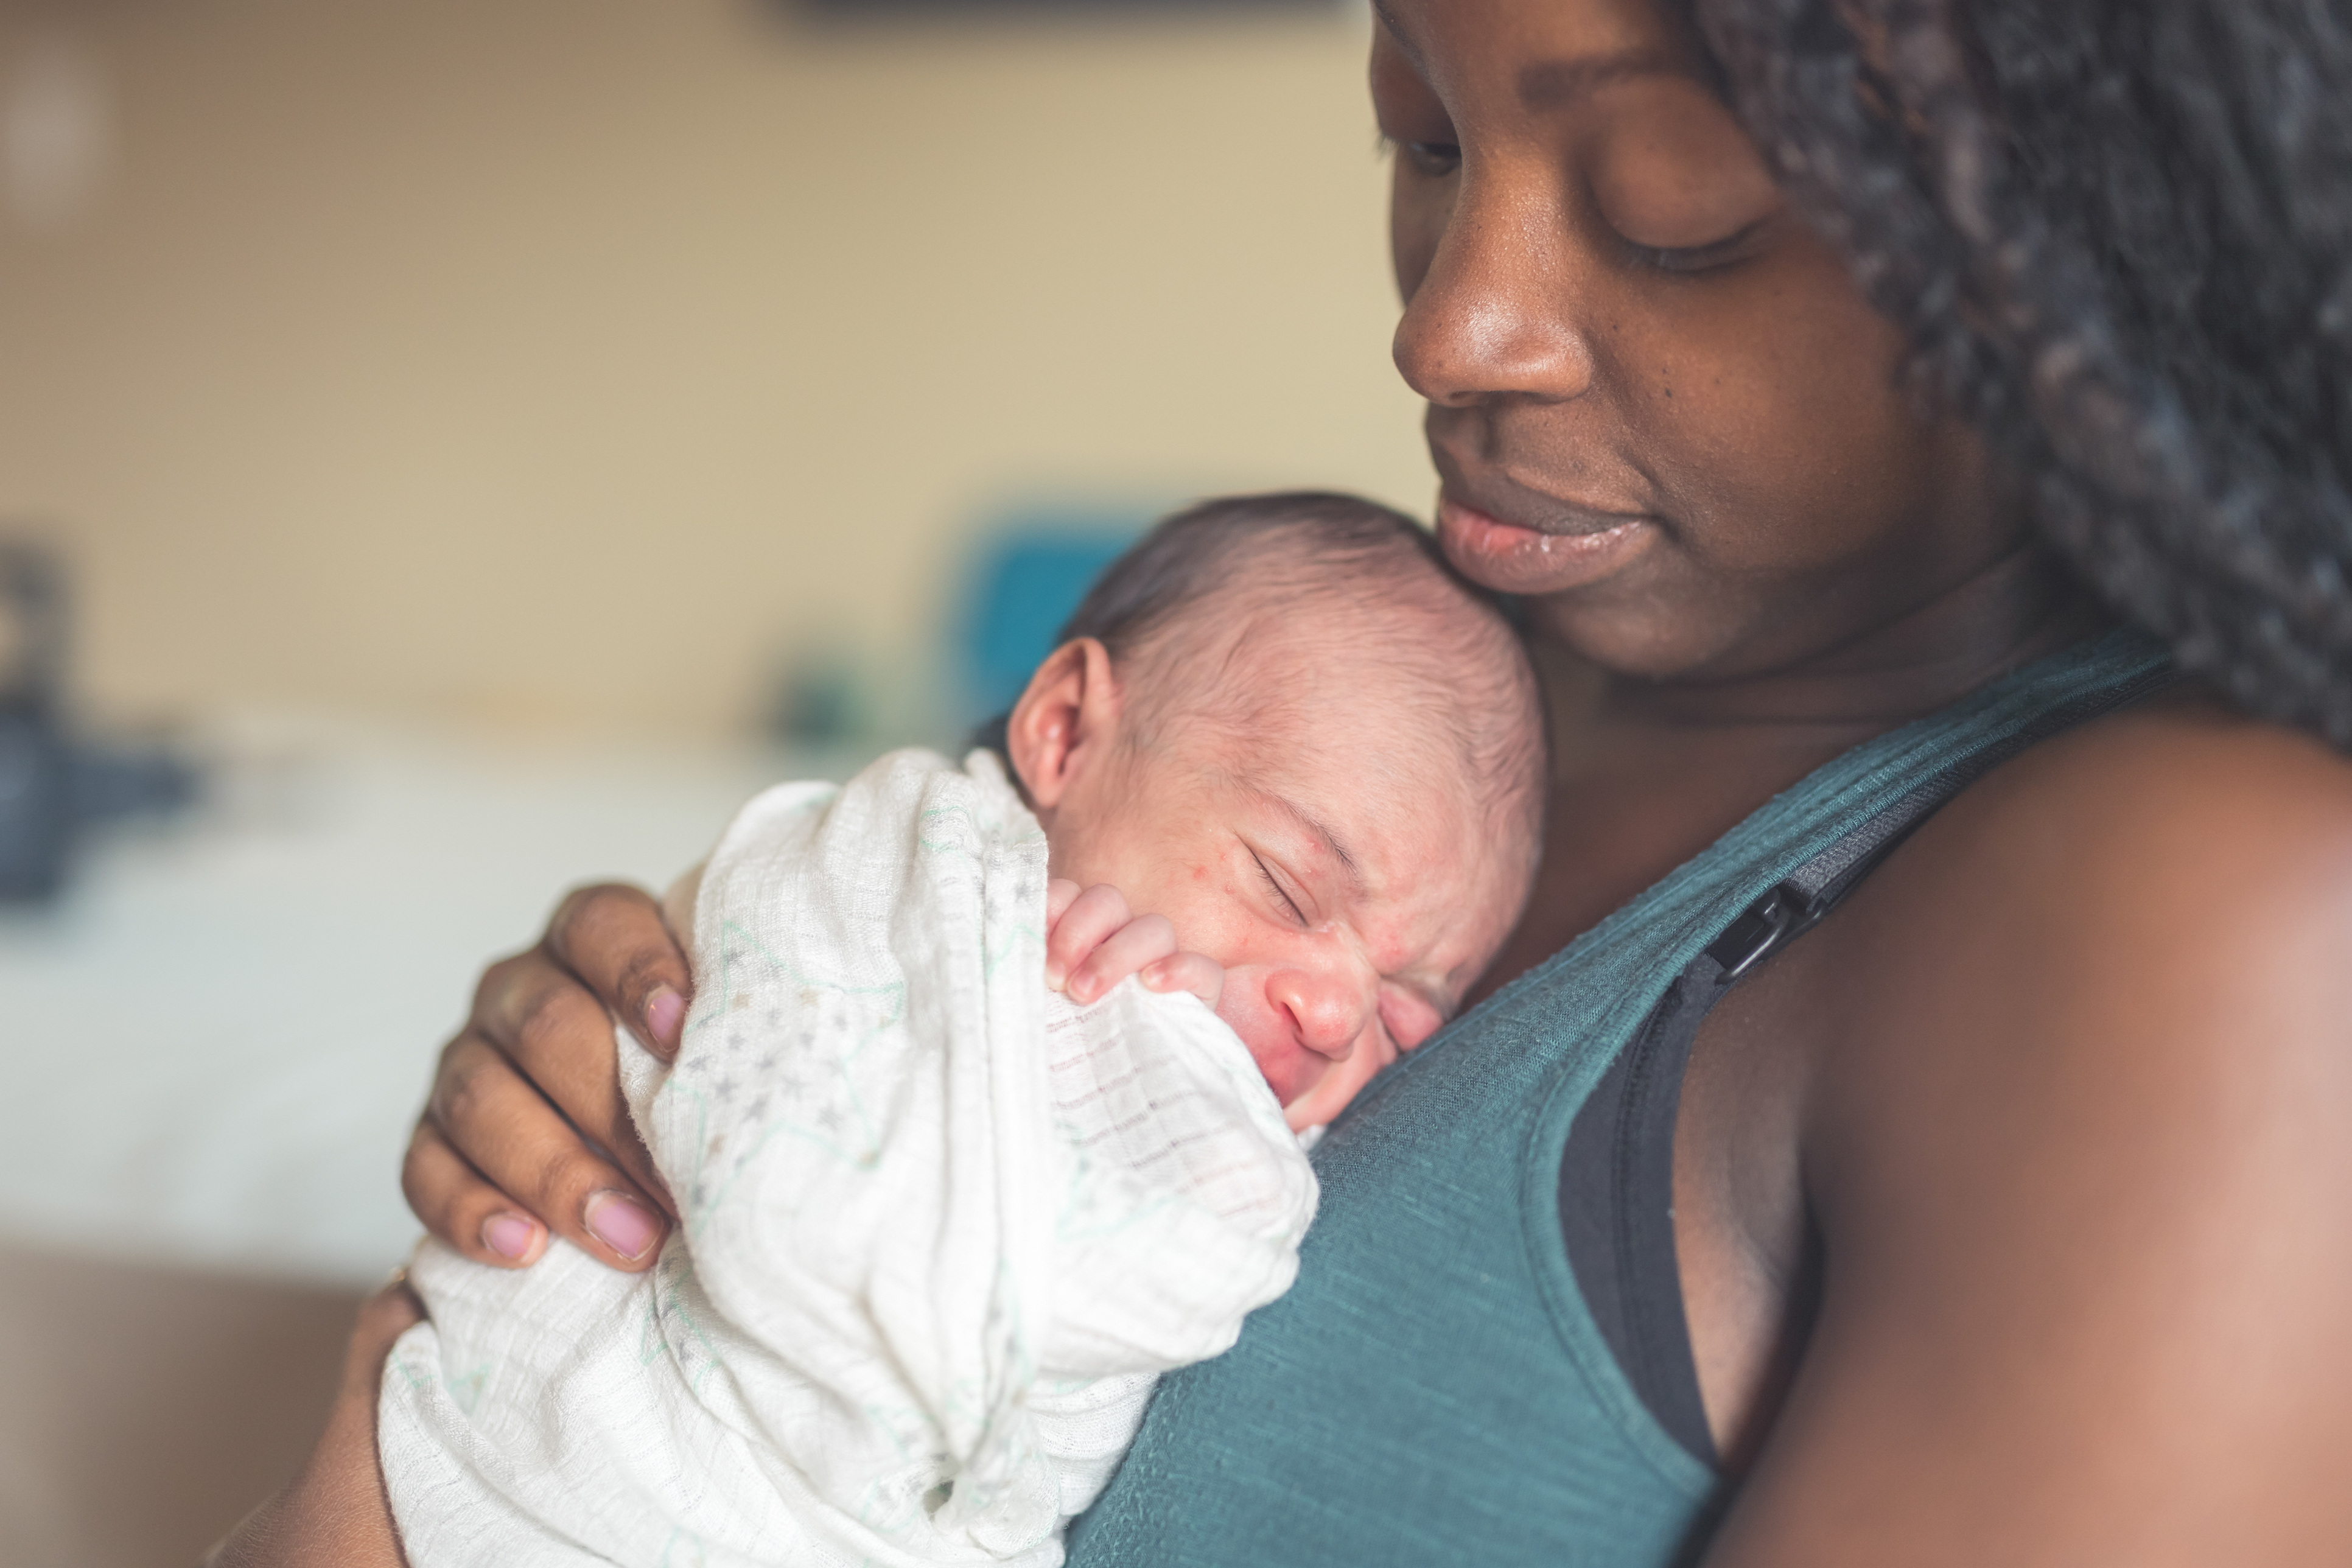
[1492,317]
[1327,1011]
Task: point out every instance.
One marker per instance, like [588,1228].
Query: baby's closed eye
[1281,894]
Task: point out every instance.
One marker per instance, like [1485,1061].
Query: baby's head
[1285,724]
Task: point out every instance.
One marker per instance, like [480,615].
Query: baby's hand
[1093,942]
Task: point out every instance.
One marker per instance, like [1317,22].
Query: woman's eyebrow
[1550,83]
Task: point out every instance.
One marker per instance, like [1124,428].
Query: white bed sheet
[215,1045]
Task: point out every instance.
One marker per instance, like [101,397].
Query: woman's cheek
[1417,214]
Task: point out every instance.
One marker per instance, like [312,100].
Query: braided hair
[2118,234]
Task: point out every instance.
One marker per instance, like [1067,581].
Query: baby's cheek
[1408,1020]
[1288,1070]
[1242,1004]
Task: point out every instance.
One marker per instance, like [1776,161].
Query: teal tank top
[1433,1389]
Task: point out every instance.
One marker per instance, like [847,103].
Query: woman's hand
[526,1134]
[526,1131]
[1093,941]
[334,1510]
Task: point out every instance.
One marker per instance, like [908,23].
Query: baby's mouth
[1289,1068]
[1291,1079]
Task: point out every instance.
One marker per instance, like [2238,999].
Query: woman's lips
[1512,559]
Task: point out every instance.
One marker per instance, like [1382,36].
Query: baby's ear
[1064,721]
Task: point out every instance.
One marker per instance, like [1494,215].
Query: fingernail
[622,1224]
[665,1010]
[1082,989]
[509,1234]
[1055,975]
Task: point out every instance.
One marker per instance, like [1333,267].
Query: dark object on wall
[892,10]
[53,790]
[821,701]
[35,769]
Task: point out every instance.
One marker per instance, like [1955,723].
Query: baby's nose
[1327,1011]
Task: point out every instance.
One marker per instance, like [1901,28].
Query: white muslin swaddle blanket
[941,1228]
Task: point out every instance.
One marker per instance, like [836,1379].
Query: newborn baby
[964,1158]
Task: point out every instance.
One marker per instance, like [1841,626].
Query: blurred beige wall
[569,361]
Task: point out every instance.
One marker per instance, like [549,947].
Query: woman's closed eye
[1685,259]
[1431,160]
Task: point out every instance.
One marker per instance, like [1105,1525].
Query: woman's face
[1658,403]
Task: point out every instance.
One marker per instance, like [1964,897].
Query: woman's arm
[526,1131]
[2080,1150]
[334,1511]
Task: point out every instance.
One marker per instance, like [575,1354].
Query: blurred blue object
[1027,574]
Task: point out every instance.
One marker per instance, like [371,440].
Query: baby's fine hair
[1262,559]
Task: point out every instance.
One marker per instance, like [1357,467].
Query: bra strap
[1616,1179]
[1799,902]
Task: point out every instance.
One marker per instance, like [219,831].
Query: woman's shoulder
[2070,1110]
[2175,843]
[2178,801]
[2189,727]
[2154,909]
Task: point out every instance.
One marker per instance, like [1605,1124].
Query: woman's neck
[1646,774]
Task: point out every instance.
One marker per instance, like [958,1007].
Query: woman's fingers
[614,938]
[526,1134]
[1092,916]
[461,1208]
[1204,977]
[558,1035]
[503,1140]
[1126,950]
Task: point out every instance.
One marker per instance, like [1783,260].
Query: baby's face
[1347,880]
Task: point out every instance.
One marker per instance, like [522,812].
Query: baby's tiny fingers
[1092,916]
[1204,977]
[1060,893]
[1137,942]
